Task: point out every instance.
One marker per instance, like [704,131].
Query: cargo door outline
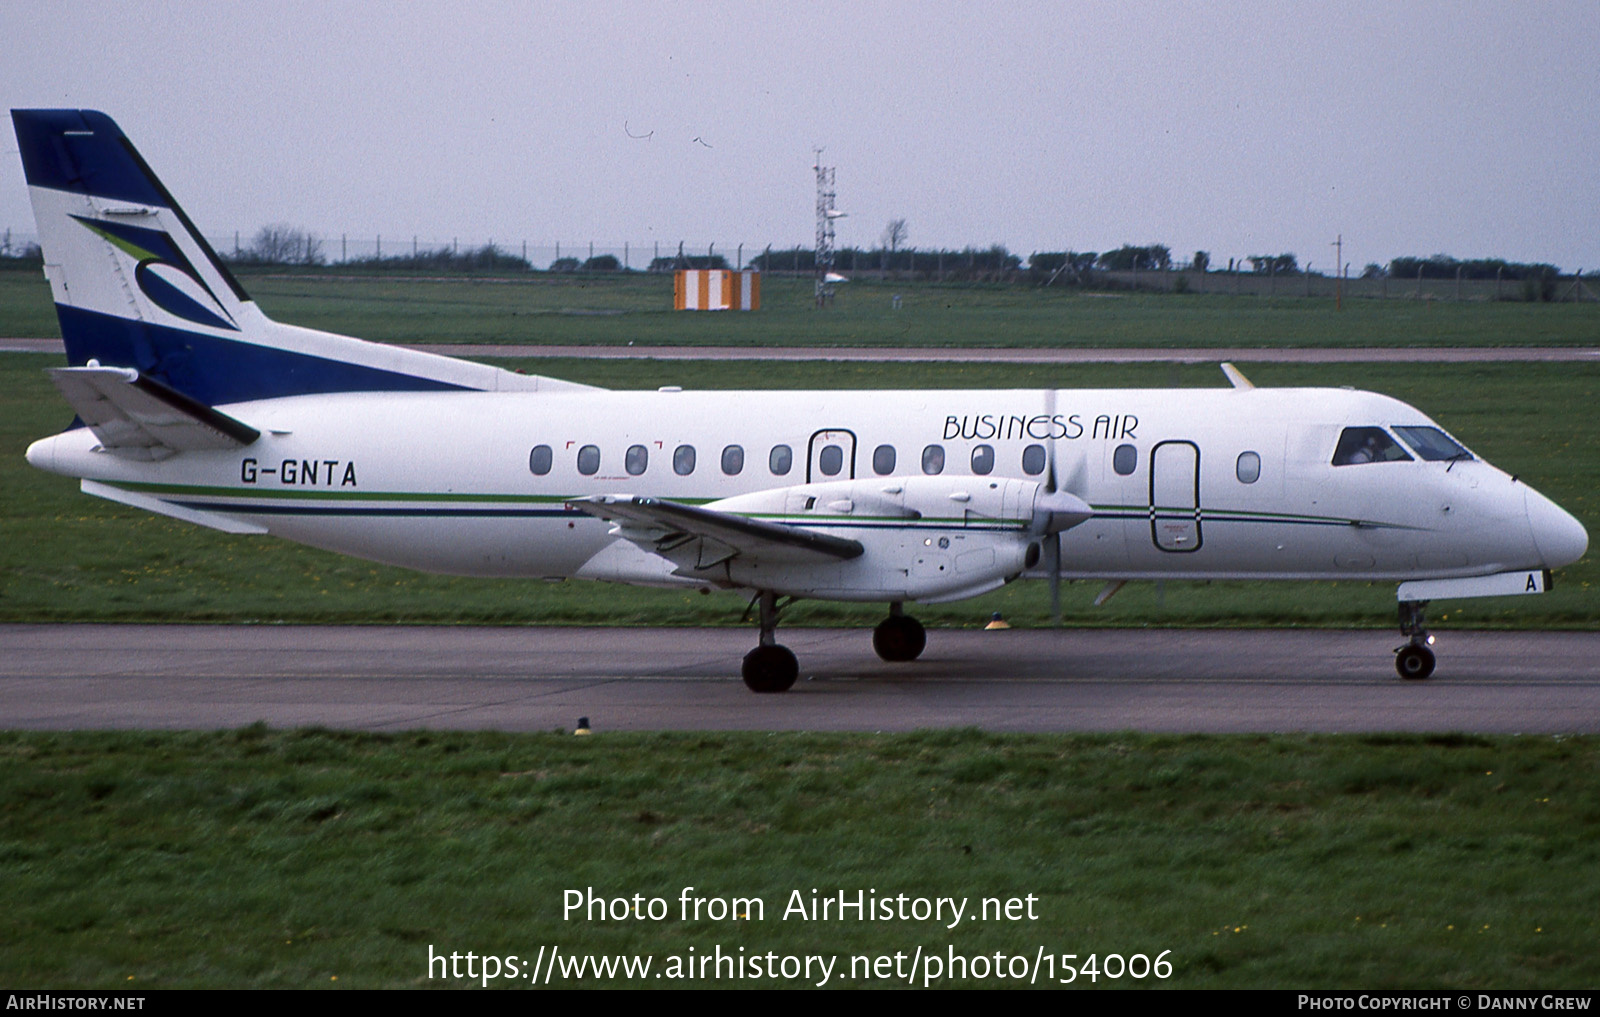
[846,440]
[1175,496]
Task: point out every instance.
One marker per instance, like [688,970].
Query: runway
[1105,355]
[542,679]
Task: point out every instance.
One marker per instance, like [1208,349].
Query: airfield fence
[901,266]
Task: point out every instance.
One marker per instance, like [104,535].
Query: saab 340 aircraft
[194,404]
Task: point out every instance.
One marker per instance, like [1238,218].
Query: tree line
[282,244]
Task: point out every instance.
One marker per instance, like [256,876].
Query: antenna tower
[825,216]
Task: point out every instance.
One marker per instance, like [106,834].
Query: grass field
[313,858]
[70,557]
[326,859]
[637,308]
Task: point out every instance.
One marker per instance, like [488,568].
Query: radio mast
[826,214]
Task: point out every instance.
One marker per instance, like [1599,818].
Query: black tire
[1414,663]
[899,638]
[770,669]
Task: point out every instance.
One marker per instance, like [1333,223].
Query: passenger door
[1175,496]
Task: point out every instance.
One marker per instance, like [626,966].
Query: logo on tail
[163,273]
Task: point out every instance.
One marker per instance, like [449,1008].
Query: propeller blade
[1050,447]
[1055,578]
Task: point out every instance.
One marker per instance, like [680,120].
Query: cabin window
[683,460]
[830,460]
[983,460]
[733,460]
[1033,459]
[781,460]
[933,459]
[1125,460]
[1367,445]
[1248,468]
[883,460]
[636,460]
[589,460]
[539,460]
[1431,443]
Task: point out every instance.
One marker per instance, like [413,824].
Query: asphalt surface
[521,679]
[1186,355]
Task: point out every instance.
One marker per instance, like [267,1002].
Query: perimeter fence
[414,253]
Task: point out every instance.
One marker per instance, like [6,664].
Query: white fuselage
[1225,483]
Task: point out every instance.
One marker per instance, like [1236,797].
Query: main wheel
[1414,662]
[770,669]
[899,637]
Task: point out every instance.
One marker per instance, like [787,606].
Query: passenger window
[733,460]
[883,460]
[1125,460]
[539,460]
[1248,468]
[636,460]
[1367,445]
[589,460]
[780,461]
[983,460]
[1033,459]
[683,460]
[1431,443]
[830,460]
[933,459]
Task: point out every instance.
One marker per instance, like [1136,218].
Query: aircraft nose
[1561,539]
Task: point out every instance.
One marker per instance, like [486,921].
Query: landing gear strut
[770,667]
[899,636]
[1414,661]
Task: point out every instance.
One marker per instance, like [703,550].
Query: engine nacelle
[924,538]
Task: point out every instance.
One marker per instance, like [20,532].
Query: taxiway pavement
[397,678]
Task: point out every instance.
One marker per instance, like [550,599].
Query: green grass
[70,557]
[294,858]
[637,308]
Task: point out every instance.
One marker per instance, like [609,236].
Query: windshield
[1431,443]
[1367,445]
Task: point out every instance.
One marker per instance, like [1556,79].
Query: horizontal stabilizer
[137,417]
[697,538]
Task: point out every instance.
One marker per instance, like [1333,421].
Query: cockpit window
[1431,443]
[1367,445]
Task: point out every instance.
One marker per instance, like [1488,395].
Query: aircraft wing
[138,417]
[696,538]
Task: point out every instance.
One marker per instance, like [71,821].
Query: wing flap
[140,418]
[697,538]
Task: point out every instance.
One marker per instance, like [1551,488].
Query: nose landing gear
[1414,661]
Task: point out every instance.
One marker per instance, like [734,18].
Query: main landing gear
[1414,661]
[771,667]
[899,636]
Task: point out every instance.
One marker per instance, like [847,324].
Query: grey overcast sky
[1237,128]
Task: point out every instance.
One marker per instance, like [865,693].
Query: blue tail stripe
[214,370]
[82,151]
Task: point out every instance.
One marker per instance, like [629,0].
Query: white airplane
[193,404]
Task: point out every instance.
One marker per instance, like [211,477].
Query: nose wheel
[1414,661]
[899,637]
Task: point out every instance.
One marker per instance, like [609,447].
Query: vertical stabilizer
[137,286]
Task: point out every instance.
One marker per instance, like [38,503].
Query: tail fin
[137,286]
